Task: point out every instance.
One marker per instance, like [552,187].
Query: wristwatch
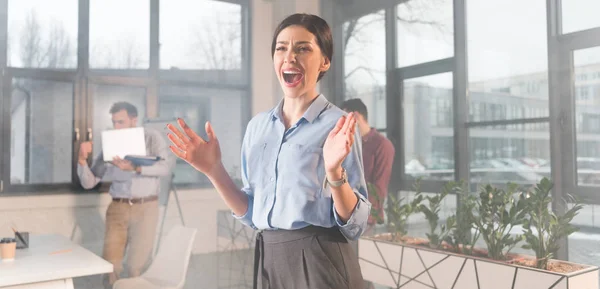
[337,183]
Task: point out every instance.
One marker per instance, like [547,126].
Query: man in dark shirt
[378,157]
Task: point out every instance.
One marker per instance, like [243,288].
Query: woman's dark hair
[315,25]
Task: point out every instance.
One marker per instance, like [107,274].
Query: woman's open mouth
[292,77]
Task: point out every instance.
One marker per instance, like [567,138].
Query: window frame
[403,74]
[174,99]
[561,118]
[83,78]
[7,87]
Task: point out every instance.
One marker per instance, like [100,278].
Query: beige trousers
[132,226]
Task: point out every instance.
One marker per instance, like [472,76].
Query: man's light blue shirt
[283,172]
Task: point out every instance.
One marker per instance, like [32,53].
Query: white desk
[40,266]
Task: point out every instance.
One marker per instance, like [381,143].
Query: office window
[119,34]
[444,113]
[200,35]
[428,154]
[499,156]
[425,31]
[582,93]
[195,113]
[508,60]
[579,15]
[42,34]
[197,105]
[364,64]
[41,125]
[475,114]
[433,112]
[587,111]
[590,123]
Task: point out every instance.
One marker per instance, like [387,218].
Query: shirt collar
[313,111]
[369,135]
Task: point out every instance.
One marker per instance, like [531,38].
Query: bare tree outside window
[422,18]
[200,35]
[119,34]
[44,47]
[122,54]
[358,38]
[217,44]
[414,14]
[424,33]
[41,111]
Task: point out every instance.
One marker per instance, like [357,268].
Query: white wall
[307,6]
[263,77]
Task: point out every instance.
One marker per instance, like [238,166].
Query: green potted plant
[498,212]
[543,228]
[374,194]
[431,209]
[398,212]
[464,235]
[449,257]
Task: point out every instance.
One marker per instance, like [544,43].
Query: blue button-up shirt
[283,172]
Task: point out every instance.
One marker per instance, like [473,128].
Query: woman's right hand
[204,156]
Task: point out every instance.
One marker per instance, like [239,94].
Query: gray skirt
[312,257]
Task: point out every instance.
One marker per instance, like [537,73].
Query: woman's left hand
[339,143]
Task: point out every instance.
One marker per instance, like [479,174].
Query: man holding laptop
[132,216]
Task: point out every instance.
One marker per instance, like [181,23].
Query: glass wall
[124,41]
[42,34]
[40,140]
[67,63]
[428,127]
[577,15]
[490,92]
[508,60]
[508,82]
[192,73]
[586,86]
[425,31]
[191,38]
[364,64]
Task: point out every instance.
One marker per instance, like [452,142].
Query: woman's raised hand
[339,143]
[203,155]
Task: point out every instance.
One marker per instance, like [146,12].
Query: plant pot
[406,266]
[8,251]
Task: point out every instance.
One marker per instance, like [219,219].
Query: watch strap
[337,183]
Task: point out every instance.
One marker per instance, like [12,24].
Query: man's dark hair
[355,105]
[315,25]
[123,105]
